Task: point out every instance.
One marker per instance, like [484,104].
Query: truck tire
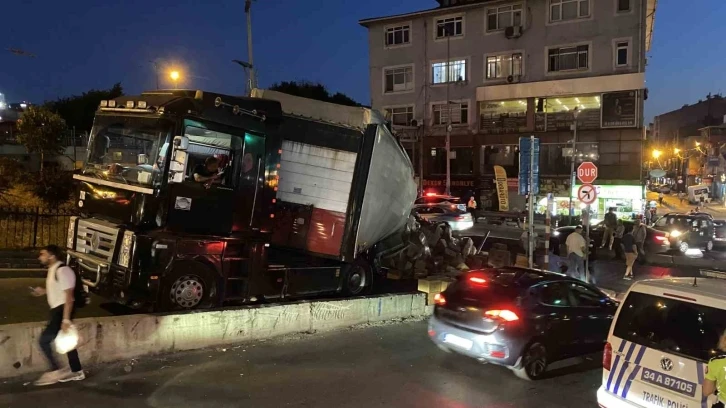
[190,285]
[357,279]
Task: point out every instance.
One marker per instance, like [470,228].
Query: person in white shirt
[576,253]
[60,286]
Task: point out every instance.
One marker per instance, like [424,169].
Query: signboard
[587,172]
[619,109]
[500,179]
[525,153]
[587,194]
[614,191]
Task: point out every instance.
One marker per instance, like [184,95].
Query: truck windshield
[128,150]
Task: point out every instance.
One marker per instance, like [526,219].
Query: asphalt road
[381,366]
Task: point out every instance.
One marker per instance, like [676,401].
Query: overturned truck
[189,199]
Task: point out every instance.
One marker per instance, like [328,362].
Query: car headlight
[675,234]
[71,238]
[556,234]
[127,246]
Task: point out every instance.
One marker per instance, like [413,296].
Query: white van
[663,335]
[696,192]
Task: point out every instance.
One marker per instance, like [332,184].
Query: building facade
[498,70]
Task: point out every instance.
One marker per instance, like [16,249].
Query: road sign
[525,153]
[587,194]
[587,172]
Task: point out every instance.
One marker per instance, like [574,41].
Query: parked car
[458,219]
[432,198]
[686,231]
[523,319]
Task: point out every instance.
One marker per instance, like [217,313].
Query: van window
[671,325]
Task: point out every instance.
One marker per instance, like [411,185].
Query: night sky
[84,44]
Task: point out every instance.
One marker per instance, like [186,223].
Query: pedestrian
[639,233]
[576,248]
[60,288]
[648,215]
[611,222]
[631,253]
[702,200]
[696,210]
[715,380]
[618,238]
[680,197]
[660,198]
[471,207]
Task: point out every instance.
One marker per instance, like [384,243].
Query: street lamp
[676,150]
[656,154]
[174,75]
[698,144]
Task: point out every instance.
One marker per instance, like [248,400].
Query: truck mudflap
[89,266]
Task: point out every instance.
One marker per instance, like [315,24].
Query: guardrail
[23,228]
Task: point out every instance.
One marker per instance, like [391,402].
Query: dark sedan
[655,241]
[521,318]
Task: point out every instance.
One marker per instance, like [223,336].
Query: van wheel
[191,285]
[709,246]
[683,247]
[534,363]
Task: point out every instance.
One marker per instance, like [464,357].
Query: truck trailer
[303,194]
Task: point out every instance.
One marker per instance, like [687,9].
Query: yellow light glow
[676,150]
[698,144]
[656,154]
[174,75]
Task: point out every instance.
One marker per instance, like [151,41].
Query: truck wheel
[191,285]
[357,279]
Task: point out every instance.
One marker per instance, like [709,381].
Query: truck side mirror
[178,164]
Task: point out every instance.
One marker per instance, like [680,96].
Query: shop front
[627,200]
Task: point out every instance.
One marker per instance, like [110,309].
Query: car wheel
[534,363]
[709,246]
[683,247]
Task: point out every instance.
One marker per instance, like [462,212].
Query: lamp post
[248,71]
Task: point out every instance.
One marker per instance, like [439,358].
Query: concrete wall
[110,339]
[599,30]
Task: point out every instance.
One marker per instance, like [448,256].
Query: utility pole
[572,164]
[448,108]
[253,79]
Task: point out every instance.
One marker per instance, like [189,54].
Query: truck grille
[97,238]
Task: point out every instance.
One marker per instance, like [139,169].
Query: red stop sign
[587,172]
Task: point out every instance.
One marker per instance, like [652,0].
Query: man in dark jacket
[611,222]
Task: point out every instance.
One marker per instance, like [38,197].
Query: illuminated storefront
[626,199]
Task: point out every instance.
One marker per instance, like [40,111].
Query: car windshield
[128,150]
[671,325]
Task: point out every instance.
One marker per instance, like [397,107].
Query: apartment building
[497,70]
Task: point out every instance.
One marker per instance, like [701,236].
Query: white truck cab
[663,335]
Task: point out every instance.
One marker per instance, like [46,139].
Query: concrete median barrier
[109,339]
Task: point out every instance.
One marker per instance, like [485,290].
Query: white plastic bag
[66,341]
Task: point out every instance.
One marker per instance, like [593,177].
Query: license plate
[458,341]
[671,383]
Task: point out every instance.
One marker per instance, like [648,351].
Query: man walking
[611,222]
[639,232]
[576,253]
[618,238]
[631,253]
[60,286]
[471,207]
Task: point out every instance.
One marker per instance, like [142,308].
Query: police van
[663,335]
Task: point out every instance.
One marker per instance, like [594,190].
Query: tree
[78,110]
[313,90]
[41,131]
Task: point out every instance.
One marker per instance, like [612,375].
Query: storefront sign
[629,192]
[619,109]
[454,183]
[500,177]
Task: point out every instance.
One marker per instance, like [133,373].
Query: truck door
[250,184]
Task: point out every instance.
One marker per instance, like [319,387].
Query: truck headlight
[127,246]
[71,238]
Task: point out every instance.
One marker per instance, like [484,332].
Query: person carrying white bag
[61,291]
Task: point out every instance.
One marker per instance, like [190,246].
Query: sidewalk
[671,203]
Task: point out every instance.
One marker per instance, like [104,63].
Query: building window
[623,6]
[508,116]
[401,116]
[459,113]
[452,71]
[568,58]
[499,18]
[565,10]
[398,35]
[462,160]
[398,79]
[502,66]
[450,27]
[622,49]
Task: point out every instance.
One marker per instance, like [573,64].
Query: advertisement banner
[500,179]
[619,109]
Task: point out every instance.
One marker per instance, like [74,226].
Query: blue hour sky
[84,44]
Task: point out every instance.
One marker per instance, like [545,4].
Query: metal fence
[23,228]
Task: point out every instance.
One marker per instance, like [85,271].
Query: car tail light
[506,315]
[439,299]
[498,354]
[607,357]
[477,280]
[661,238]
